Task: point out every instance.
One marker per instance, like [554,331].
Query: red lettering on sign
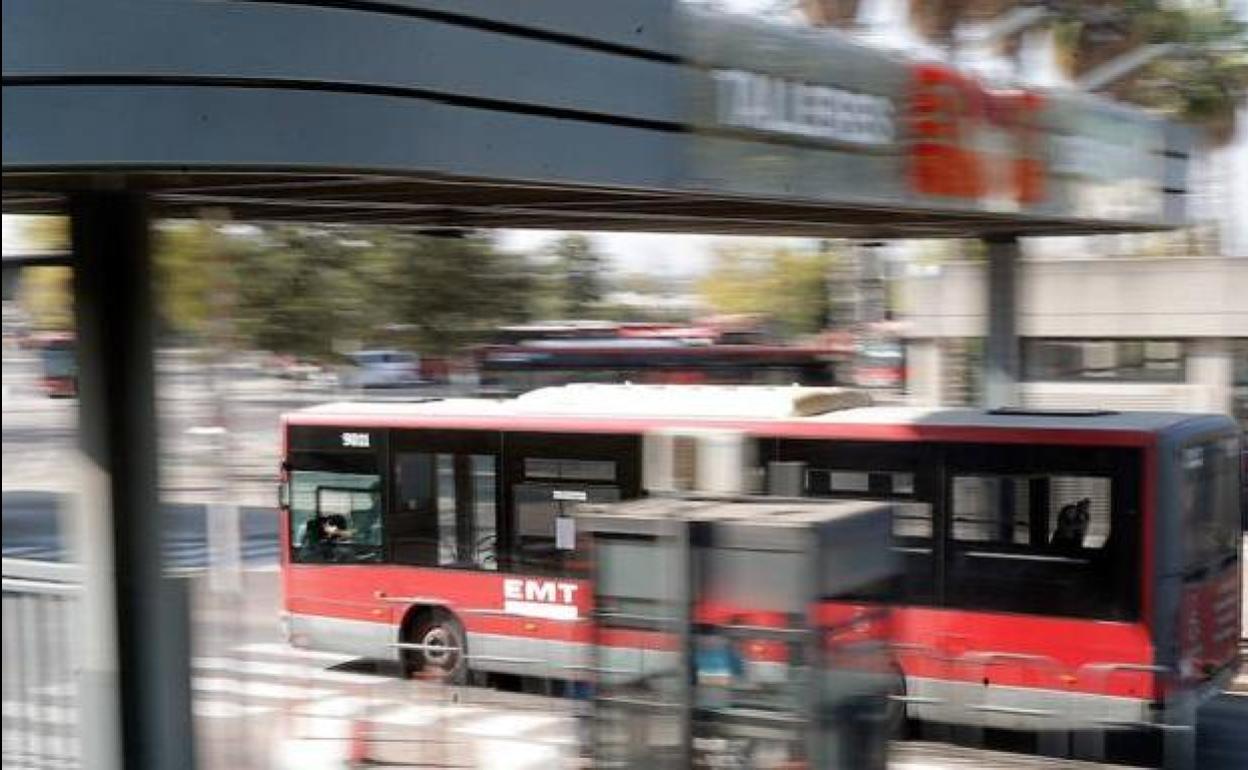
[946,113]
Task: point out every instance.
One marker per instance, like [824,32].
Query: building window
[1239,382]
[1124,360]
[962,371]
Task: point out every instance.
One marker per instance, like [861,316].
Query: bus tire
[435,628]
[896,721]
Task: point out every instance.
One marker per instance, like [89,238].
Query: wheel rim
[438,641]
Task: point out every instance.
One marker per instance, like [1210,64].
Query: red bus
[520,368]
[880,364]
[1057,568]
[58,364]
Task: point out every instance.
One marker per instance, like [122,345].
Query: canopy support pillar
[1001,349]
[135,697]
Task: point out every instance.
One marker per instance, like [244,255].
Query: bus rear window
[1043,530]
[1208,501]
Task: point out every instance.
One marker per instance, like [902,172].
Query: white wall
[1185,297]
[1203,301]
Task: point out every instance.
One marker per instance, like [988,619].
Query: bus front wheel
[441,650]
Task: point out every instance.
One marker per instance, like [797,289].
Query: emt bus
[545,363]
[1056,568]
[58,376]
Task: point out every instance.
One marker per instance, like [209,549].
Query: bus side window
[414,531]
[1033,543]
[912,518]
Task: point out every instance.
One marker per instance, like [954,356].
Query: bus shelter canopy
[554,114]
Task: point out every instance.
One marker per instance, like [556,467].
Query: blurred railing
[41,608]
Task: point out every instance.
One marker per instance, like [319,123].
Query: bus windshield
[335,516]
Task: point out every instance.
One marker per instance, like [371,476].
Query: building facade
[1168,333]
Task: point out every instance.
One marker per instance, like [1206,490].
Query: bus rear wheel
[441,655]
[896,721]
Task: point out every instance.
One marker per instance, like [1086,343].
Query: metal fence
[41,606]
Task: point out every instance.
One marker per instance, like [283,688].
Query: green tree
[45,233]
[299,291]
[579,267]
[189,270]
[47,296]
[1202,83]
[45,292]
[789,286]
[312,291]
[736,282]
[449,292]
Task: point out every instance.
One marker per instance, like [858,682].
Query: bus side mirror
[283,494]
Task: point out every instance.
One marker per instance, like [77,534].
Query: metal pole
[136,702]
[1001,367]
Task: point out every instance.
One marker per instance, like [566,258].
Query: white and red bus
[1057,568]
[545,363]
[59,366]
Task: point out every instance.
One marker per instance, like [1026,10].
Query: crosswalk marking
[510,725]
[252,688]
[419,715]
[341,706]
[36,712]
[282,650]
[226,709]
[290,670]
[58,690]
[314,712]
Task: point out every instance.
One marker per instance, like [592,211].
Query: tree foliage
[46,292]
[577,272]
[314,291]
[189,274]
[449,292]
[300,292]
[47,296]
[788,286]
[45,233]
[1204,83]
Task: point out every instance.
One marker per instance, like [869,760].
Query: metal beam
[19,259]
[135,682]
[1001,355]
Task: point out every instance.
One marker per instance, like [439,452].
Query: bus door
[444,511]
